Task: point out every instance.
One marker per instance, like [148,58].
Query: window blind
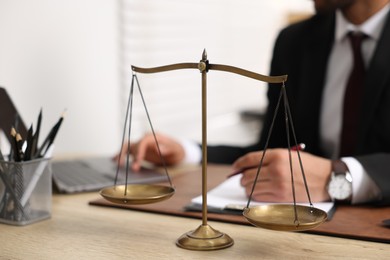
[238,33]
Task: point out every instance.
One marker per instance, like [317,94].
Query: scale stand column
[204,237]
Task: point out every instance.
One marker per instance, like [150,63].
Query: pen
[299,147]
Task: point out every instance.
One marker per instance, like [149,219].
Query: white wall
[58,55]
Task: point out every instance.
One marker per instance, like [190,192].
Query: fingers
[279,174]
[249,176]
[247,161]
[273,183]
[120,158]
[139,151]
[269,186]
[167,151]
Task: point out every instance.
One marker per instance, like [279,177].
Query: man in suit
[316,55]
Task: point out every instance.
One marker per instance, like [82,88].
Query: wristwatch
[340,183]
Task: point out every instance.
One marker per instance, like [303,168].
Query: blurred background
[76,55]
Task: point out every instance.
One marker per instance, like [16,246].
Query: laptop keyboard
[96,173]
[76,177]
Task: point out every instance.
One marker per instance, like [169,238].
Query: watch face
[340,188]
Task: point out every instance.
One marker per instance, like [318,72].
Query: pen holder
[25,191]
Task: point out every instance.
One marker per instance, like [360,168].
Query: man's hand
[146,149]
[274,183]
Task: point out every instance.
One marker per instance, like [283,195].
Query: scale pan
[137,193]
[282,217]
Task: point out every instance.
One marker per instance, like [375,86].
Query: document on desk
[230,196]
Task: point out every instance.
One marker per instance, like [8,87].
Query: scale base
[204,238]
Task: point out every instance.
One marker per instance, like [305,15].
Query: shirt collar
[372,27]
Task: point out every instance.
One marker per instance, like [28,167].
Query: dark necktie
[352,97]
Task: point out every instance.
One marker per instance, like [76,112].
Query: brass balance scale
[283,217]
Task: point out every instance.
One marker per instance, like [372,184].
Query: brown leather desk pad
[357,222]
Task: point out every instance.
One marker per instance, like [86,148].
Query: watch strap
[339,167]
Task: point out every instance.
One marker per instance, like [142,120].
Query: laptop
[9,116]
[95,173]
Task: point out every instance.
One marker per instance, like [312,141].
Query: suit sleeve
[377,166]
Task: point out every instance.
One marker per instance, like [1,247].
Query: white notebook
[230,195]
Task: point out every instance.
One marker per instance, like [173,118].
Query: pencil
[50,137]
[55,131]
[34,145]
[19,146]
[299,147]
[1,156]
[14,147]
[29,141]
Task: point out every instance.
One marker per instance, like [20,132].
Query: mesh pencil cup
[25,191]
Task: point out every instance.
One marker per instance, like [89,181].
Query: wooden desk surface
[357,222]
[78,230]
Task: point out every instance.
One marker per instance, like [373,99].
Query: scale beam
[204,66]
[170,67]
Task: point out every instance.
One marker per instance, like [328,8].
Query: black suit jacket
[301,51]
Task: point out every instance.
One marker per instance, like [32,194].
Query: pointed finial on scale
[204,55]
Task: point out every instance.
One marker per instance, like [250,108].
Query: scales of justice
[283,217]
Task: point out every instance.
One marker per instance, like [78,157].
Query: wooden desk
[358,222]
[81,231]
